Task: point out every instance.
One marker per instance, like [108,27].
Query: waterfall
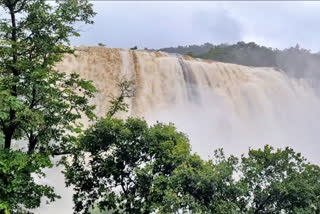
[219,105]
[238,106]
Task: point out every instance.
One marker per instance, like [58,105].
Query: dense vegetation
[38,105]
[295,61]
[126,166]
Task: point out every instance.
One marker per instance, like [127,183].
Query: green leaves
[279,181]
[18,189]
[125,166]
[38,102]
[118,103]
[40,107]
[130,167]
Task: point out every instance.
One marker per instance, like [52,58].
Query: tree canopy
[279,181]
[295,61]
[39,106]
[127,165]
[130,167]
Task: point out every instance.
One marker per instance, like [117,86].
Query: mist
[214,125]
[218,105]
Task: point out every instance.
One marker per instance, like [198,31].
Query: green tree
[204,186]
[265,181]
[17,186]
[39,106]
[279,181]
[118,103]
[125,166]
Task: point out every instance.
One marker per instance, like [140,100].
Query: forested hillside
[295,61]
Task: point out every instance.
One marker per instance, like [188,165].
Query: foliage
[1,140]
[118,103]
[96,210]
[279,181]
[203,186]
[295,61]
[130,167]
[38,105]
[18,190]
[127,166]
[194,49]
[265,181]
[249,54]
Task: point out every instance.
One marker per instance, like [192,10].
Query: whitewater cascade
[219,105]
[233,103]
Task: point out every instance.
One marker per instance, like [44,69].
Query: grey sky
[157,24]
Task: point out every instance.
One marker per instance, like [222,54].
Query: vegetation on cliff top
[295,61]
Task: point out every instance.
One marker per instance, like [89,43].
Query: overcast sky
[157,24]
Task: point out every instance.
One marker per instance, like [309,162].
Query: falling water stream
[219,105]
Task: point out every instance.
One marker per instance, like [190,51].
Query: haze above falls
[216,104]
